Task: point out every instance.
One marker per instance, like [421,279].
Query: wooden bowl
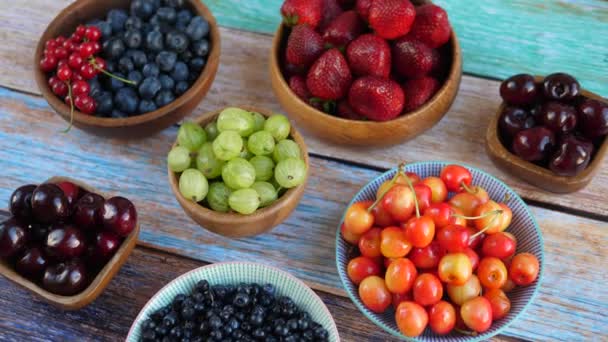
[98,284]
[236,225]
[137,126]
[538,175]
[364,133]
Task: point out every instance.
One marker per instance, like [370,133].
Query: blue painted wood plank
[33,150]
[499,38]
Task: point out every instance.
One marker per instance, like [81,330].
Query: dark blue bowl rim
[481,337]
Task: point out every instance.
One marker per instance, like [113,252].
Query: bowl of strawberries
[365,72]
[437,251]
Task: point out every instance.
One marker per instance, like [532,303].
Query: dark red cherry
[20,203]
[119,216]
[534,144]
[561,86]
[105,246]
[65,242]
[70,190]
[13,237]
[558,117]
[49,204]
[65,278]
[513,120]
[87,214]
[519,90]
[572,156]
[32,263]
[38,232]
[593,117]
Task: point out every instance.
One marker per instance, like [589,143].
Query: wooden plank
[243,79]
[571,295]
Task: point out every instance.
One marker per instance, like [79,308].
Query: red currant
[64,73]
[92,33]
[61,63]
[100,63]
[76,38]
[59,88]
[69,45]
[80,88]
[88,71]
[61,52]
[53,80]
[75,61]
[50,52]
[96,47]
[50,44]
[80,30]
[87,50]
[76,76]
[59,40]
[48,63]
[88,106]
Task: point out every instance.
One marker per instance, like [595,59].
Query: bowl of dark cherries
[64,241]
[549,131]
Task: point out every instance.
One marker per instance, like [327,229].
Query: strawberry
[362,8]
[302,12]
[345,111]
[298,86]
[432,26]
[331,10]
[304,46]
[329,77]
[414,59]
[369,55]
[376,98]
[346,27]
[419,91]
[391,18]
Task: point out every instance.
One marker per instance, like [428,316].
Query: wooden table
[499,38]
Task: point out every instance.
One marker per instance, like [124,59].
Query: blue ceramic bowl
[234,273]
[523,226]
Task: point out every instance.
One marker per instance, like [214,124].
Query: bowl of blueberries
[127,68]
[235,301]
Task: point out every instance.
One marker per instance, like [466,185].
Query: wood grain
[499,38]
[243,78]
[571,295]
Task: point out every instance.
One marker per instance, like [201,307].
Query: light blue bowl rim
[240,263]
[480,337]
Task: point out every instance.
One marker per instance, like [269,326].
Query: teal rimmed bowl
[234,273]
[523,226]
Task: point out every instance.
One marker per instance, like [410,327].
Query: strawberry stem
[71,108]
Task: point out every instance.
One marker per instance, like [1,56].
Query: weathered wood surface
[243,79]
[571,297]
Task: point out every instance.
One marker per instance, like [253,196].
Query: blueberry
[133,39]
[154,40]
[139,57]
[181,26]
[135,76]
[151,55]
[181,87]
[96,89]
[241,300]
[167,14]
[185,56]
[116,114]
[125,65]
[198,28]
[113,48]
[133,23]
[166,60]
[197,64]
[163,98]
[103,26]
[174,3]
[104,103]
[184,16]
[147,106]
[113,83]
[180,72]
[166,82]
[149,87]
[150,70]
[200,48]
[110,66]
[126,100]
[117,19]
[143,8]
[177,41]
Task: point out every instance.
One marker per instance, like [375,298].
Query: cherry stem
[467,188]
[392,182]
[466,332]
[409,183]
[71,107]
[124,80]
[496,213]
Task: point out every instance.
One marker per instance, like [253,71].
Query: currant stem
[409,183]
[392,182]
[71,108]
[124,80]
[497,213]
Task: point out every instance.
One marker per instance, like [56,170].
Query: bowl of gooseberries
[239,171]
[437,251]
